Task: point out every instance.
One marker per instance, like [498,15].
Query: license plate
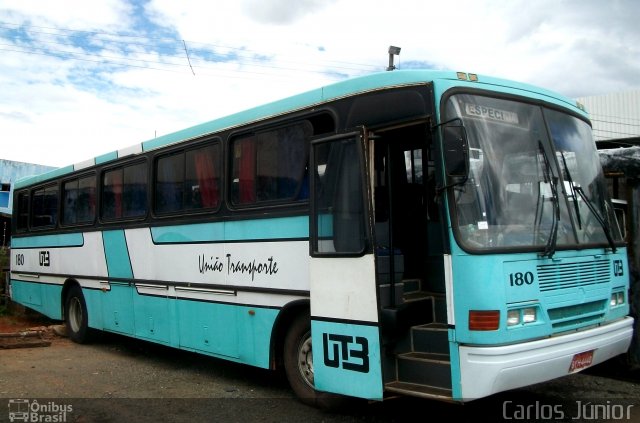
[581,361]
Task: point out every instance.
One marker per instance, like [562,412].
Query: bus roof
[315,97]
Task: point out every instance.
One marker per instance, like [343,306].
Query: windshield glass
[521,190]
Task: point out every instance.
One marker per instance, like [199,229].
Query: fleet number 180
[520,278]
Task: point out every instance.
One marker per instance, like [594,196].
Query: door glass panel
[339,198]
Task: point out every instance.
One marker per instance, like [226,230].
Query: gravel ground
[117,379]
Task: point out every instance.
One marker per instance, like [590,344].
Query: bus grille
[572,275]
[579,314]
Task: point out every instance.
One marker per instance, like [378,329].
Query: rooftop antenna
[393,51]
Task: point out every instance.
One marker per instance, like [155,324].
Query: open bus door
[344,310]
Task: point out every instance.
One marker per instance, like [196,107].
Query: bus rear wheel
[298,365]
[76,316]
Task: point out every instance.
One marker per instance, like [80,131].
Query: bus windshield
[534,179]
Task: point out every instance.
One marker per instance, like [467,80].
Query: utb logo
[344,348]
[618,270]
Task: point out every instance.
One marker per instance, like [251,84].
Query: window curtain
[247,174]
[205,171]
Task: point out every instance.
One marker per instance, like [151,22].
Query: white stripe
[448,281]
[85,164]
[129,151]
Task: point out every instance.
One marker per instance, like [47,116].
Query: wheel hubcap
[75,314]
[305,360]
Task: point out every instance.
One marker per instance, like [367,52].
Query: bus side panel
[208,327]
[255,326]
[117,309]
[93,299]
[152,320]
[31,294]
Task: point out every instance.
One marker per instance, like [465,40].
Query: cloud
[83,78]
[76,14]
[280,12]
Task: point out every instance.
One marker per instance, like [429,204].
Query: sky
[82,78]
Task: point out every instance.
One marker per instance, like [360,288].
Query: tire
[76,316]
[298,365]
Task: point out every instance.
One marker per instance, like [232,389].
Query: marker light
[529,315]
[462,76]
[617,298]
[484,319]
[513,317]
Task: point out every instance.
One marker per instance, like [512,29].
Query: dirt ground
[23,321]
[117,379]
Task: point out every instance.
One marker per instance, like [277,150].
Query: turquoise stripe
[277,228]
[117,254]
[21,183]
[61,240]
[317,96]
[107,157]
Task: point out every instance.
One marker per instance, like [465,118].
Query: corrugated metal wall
[9,173]
[614,116]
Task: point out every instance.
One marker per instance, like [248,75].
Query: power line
[155,44]
[616,132]
[615,117]
[615,123]
[236,73]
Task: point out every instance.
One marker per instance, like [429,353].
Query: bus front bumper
[488,370]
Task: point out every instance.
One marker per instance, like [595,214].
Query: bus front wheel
[298,365]
[76,316]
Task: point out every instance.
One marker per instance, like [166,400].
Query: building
[615,118]
[11,171]
[616,129]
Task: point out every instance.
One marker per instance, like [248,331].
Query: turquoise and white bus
[437,234]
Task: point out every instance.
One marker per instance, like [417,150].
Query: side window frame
[63,192]
[254,190]
[188,198]
[22,214]
[46,190]
[124,194]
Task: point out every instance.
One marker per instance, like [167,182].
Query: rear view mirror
[456,152]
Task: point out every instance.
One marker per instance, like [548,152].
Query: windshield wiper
[577,188]
[550,248]
[603,223]
[573,190]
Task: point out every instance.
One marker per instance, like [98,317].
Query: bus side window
[44,212]
[23,211]
[124,193]
[79,201]
[270,166]
[202,179]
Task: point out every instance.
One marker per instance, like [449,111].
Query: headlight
[529,315]
[522,316]
[617,298]
[513,317]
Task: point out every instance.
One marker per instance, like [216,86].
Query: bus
[444,235]
[621,166]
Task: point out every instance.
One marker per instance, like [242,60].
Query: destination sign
[485,112]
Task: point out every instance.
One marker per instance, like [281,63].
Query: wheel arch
[68,284]
[286,317]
